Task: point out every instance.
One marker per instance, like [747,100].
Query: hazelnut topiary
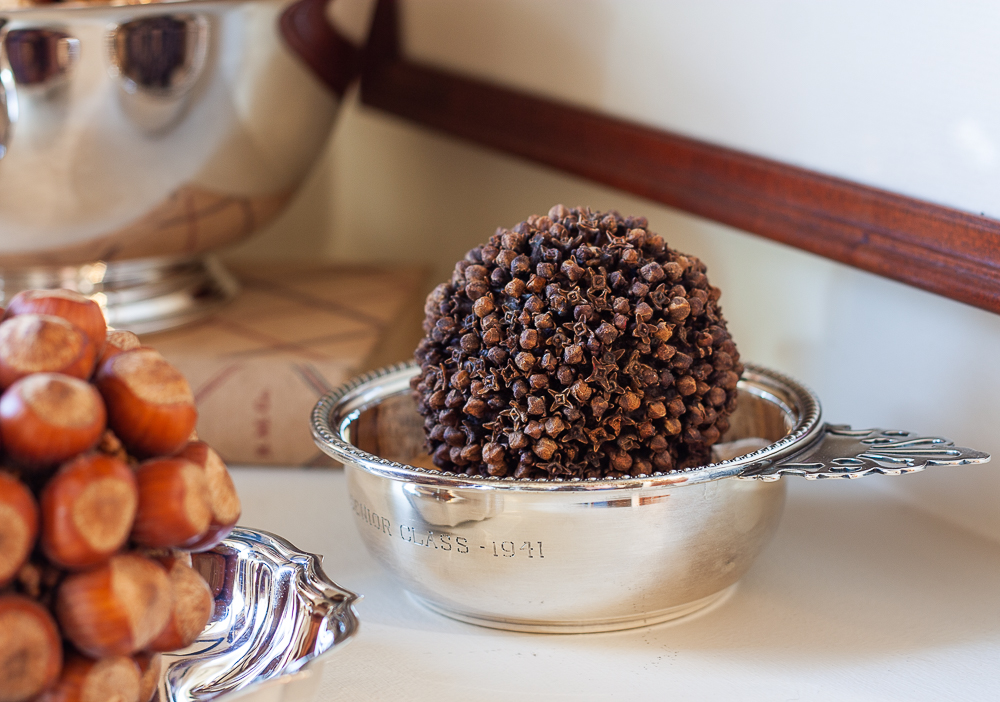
[575,345]
[96,576]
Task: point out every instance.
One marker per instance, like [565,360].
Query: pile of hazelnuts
[105,492]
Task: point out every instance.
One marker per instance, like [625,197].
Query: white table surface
[859,597]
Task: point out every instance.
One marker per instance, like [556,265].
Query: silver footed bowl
[276,614]
[566,556]
[138,138]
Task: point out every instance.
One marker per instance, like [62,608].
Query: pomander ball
[576,344]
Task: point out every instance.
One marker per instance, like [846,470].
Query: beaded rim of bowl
[336,410]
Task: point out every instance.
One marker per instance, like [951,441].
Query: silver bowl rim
[336,410]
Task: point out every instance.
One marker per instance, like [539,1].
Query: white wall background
[898,94]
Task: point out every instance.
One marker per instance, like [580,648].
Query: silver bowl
[590,555]
[276,614]
[137,138]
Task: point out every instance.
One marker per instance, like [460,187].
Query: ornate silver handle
[842,452]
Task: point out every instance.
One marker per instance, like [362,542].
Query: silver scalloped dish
[276,613]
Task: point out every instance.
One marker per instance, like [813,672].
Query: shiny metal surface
[276,613]
[40,56]
[143,295]
[156,131]
[593,555]
[854,453]
[6,5]
[157,61]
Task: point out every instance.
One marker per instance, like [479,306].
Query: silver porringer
[564,556]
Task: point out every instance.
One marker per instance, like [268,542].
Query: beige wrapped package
[295,332]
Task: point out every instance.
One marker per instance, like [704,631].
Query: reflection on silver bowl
[276,613]
[589,555]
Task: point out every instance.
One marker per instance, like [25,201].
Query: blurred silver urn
[137,138]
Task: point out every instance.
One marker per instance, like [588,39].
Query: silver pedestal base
[143,295]
[592,626]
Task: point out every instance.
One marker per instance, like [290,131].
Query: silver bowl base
[141,295]
[594,626]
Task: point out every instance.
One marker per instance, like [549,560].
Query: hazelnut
[116,608]
[118,340]
[30,649]
[191,609]
[113,679]
[87,510]
[151,669]
[33,343]
[46,418]
[174,503]
[150,405]
[18,525]
[224,500]
[77,309]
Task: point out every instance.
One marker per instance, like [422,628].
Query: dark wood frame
[334,59]
[936,248]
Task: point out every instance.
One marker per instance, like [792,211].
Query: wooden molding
[939,249]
